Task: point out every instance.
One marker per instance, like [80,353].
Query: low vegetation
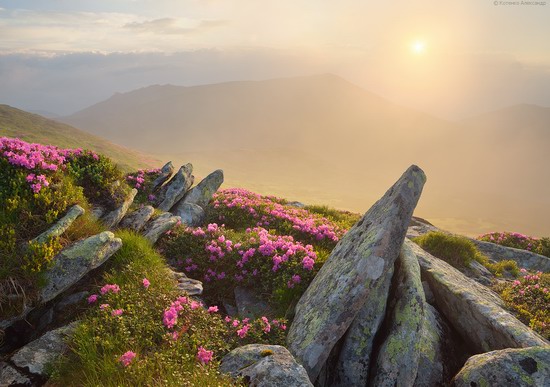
[518,241]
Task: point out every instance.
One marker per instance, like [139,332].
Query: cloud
[170,26]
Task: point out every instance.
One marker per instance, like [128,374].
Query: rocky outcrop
[476,312]
[355,355]
[414,333]
[249,304]
[159,225]
[61,225]
[176,188]
[9,376]
[191,214]
[73,262]
[165,173]
[137,219]
[524,258]
[508,367]
[265,366]
[38,353]
[203,192]
[112,219]
[358,263]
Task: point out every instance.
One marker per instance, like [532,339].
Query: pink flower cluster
[170,317]
[511,239]
[266,209]
[204,356]
[114,288]
[127,358]
[529,283]
[139,177]
[242,327]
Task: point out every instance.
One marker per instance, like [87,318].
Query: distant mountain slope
[35,128]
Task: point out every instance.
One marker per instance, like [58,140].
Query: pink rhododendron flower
[103,306]
[146,283]
[204,356]
[109,288]
[213,309]
[117,312]
[92,298]
[127,358]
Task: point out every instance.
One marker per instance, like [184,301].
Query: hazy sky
[471,55]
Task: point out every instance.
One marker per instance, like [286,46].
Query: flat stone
[265,366]
[137,219]
[38,353]
[165,173]
[159,225]
[202,194]
[249,305]
[9,376]
[75,261]
[191,215]
[59,227]
[525,259]
[176,188]
[508,367]
[475,311]
[190,286]
[359,261]
[112,219]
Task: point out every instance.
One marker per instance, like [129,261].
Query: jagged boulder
[357,264]
[73,262]
[355,354]
[9,376]
[191,214]
[61,225]
[159,225]
[137,219]
[475,311]
[38,353]
[176,188]
[524,258]
[265,366]
[165,173]
[112,219]
[413,333]
[508,367]
[203,192]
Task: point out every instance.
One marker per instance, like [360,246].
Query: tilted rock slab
[38,353]
[524,258]
[158,226]
[355,355]
[165,173]
[265,366]
[137,219]
[358,262]
[59,227]
[112,219]
[9,376]
[203,192]
[508,367]
[413,331]
[475,311]
[177,187]
[249,304]
[75,261]
[191,214]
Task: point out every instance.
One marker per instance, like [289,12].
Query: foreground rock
[165,173]
[414,333]
[112,219]
[38,353]
[476,312]
[203,192]
[72,263]
[265,366]
[356,266]
[177,187]
[61,225]
[191,214]
[158,226]
[524,258]
[137,219]
[355,355]
[9,376]
[508,367]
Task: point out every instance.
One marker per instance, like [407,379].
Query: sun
[418,47]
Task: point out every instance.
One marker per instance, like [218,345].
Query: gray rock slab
[265,366]
[112,219]
[360,259]
[249,304]
[176,188]
[38,353]
[73,262]
[509,367]
[202,194]
[9,376]
[59,227]
[190,286]
[525,259]
[191,214]
[136,220]
[475,311]
[165,173]
[159,225]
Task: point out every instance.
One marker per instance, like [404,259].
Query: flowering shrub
[529,298]
[518,241]
[223,259]
[142,181]
[240,209]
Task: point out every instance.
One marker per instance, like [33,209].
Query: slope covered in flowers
[518,241]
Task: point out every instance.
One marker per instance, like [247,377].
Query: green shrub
[457,250]
[499,268]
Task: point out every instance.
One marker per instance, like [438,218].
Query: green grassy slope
[34,128]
